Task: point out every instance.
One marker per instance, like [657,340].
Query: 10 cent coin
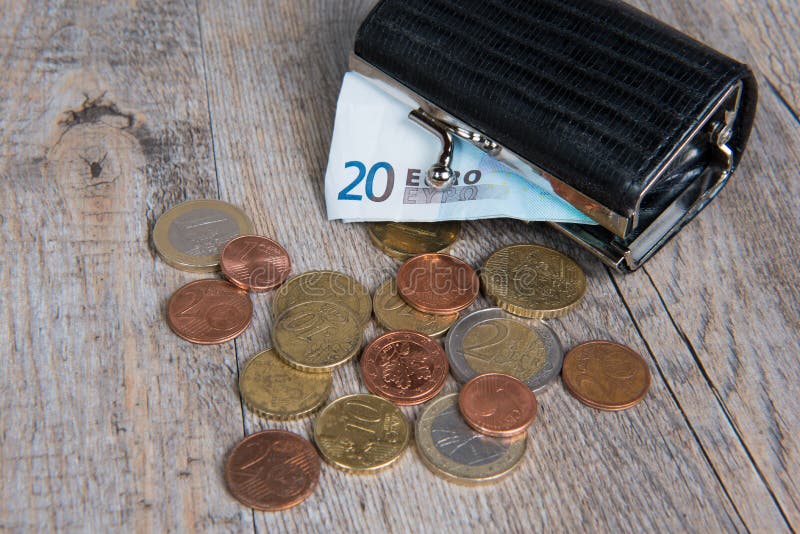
[361,433]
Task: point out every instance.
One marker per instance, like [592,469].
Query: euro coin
[456,452]
[404,367]
[437,283]
[324,286]
[209,311]
[361,433]
[274,390]
[190,236]
[497,405]
[392,313]
[272,470]
[403,240]
[255,263]
[494,341]
[606,375]
[317,336]
[533,281]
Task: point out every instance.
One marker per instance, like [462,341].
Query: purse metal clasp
[441,174]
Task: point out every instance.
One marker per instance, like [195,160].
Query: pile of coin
[504,356]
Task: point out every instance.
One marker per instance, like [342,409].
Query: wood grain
[113,113]
[108,420]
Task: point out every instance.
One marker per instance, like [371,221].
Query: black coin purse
[632,122]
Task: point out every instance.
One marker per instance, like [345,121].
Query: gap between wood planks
[712,387]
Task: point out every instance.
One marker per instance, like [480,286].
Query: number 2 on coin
[369,187]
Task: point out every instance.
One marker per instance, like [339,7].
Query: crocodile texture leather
[595,92]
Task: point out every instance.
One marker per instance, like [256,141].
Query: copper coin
[405,367]
[437,283]
[272,470]
[605,375]
[255,263]
[497,405]
[209,311]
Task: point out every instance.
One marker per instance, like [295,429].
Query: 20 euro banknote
[378,159]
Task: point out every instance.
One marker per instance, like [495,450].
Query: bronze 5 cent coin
[272,470]
[404,367]
[437,283]
[497,405]
[209,311]
[606,375]
[255,263]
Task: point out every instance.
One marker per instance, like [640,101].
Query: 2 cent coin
[272,470]
[606,375]
[209,311]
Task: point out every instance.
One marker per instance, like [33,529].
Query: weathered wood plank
[719,306]
[274,71]
[108,421]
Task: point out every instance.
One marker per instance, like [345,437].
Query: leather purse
[632,122]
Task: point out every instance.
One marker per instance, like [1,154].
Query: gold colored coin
[273,390]
[456,452]
[317,336]
[402,240]
[329,286]
[393,313]
[190,236]
[361,433]
[533,281]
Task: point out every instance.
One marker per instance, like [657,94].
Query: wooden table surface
[110,113]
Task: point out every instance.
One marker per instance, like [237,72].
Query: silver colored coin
[494,341]
[453,450]
[191,235]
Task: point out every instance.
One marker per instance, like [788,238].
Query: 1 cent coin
[404,367]
[255,263]
[209,311]
[437,283]
[606,375]
[272,470]
[190,236]
[497,405]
